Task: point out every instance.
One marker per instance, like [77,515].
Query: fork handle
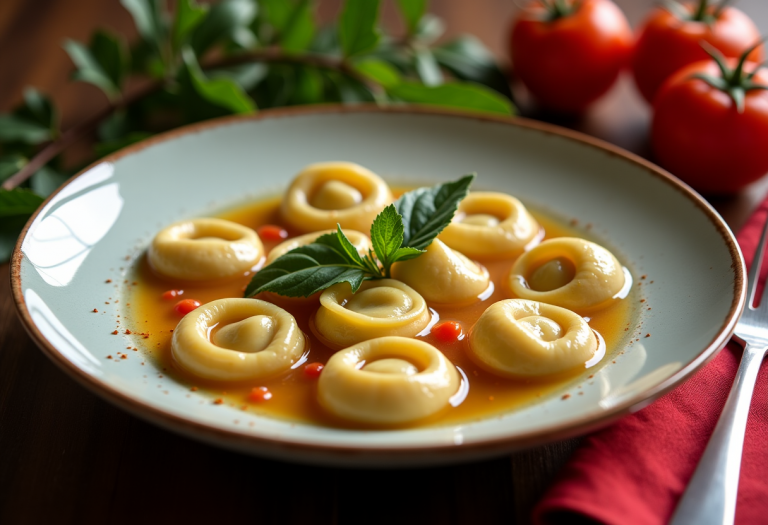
[711,494]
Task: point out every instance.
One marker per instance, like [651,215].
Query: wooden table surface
[66,456]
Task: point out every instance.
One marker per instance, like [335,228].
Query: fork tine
[754,271]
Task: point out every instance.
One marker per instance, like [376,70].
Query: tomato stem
[557,9]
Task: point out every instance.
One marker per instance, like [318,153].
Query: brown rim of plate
[245,441]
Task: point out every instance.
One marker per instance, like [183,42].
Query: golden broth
[294,394]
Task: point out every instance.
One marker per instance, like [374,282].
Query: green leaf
[454,95]
[39,108]
[309,86]
[405,254]
[14,128]
[387,234]
[10,228]
[357,28]
[89,70]
[430,29]
[103,149]
[222,21]
[427,211]
[412,11]
[18,201]
[111,53]
[468,59]
[222,92]
[293,23]
[427,67]
[148,17]
[189,15]
[46,180]
[339,242]
[10,164]
[306,270]
[378,71]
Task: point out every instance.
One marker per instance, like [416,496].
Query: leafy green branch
[236,57]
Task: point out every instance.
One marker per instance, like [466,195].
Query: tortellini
[328,193]
[389,380]
[359,240]
[443,275]
[251,339]
[378,308]
[519,338]
[491,225]
[205,249]
[569,272]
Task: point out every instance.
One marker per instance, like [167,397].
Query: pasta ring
[205,249]
[597,282]
[443,275]
[250,355]
[359,240]
[504,228]
[519,338]
[330,180]
[378,308]
[387,395]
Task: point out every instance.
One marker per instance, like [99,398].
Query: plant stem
[701,11]
[270,55]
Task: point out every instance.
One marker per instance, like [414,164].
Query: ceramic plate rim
[248,442]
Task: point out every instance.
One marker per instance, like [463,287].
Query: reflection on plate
[103,219]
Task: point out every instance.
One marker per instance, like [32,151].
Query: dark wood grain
[66,456]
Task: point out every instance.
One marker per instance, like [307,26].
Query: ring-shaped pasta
[205,249]
[416,381]
[491,225]
[378,308]
[244,351]
[328,193]
[359,240]
[596,282]
[443,275]
[519,338]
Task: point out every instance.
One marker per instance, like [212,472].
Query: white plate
[102,219]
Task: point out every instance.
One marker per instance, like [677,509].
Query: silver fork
[711,494]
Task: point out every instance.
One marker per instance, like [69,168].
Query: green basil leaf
[306,270]
[378,71]
[468,59]
[357,26]
[222,21]
[341,245]
[14,128]
[405,254]
[387,234]
[10,164]
[293,23]
[412,11]
[427,67]
[454,95]
[46,180]
[148,18]
[221,91]
[18,201]
[189,15]
[309,86]
[427,211]
[89,70]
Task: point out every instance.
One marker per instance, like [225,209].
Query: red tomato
[260,394]
[172,294]
[270,232]
[312,370]
[567,62]
[666,43]
[186,305]
[700,136]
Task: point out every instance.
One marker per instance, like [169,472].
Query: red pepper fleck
[123,356]
[172,294]
[108,280]
[186,305]
[115,332]
[218,401]
[447,331]
[95,311]
[127,332]
[271,232]
[193,389]
[312,370]
[109,357]
[565,396]
[647,335]
[259,394]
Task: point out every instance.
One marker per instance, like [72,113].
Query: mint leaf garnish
[400,232]
[427,211]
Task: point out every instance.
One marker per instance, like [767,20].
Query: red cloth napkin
[634,472]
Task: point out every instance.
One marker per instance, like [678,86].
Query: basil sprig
[402,231]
